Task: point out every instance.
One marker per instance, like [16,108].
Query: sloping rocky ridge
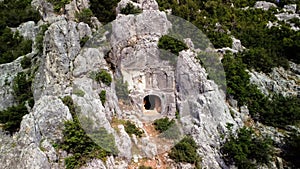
[65,67]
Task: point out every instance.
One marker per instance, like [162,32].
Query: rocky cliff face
[127,50]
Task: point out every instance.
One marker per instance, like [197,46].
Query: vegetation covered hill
[266,48]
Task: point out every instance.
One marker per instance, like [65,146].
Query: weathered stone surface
[50,114]
[280,81]
[28,30]
[8,72]
[290,8]
[204,113]
[264,5]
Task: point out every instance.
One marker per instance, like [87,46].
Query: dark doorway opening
[152,102]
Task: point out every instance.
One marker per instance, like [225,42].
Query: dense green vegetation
[171,44]
[171,47]
[268,48]
[12,46]
[167,127]
[26,62]
[12,116]
[12,14]
[102,96]
[276,111]
[104,10]
[247,149]
[15,12]
[78,143]
[185,151]
[58,4]
[163,124]
[84,16]
[130,9]
[130,128]
[102,76]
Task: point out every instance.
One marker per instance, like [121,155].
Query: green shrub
[22,87]
[26,62]
[58,4]
[220,40]
[130,9]
[277,111]
[163,124]
[246,149]
[13,45]
[15,12]
[77,142]
[12,117]
[171,44]
[79,92]
[273,46]
[84,16]
[104,10]
[130,128]
[104,77]
[102,96]
[186,151]
[167,127]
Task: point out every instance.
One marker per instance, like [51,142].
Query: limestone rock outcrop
[128,51]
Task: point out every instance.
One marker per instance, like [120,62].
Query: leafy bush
[77,142]
[15,12]
[163,124]
[102,96]
[104,10]
[268,47]
[22,87]
[12,117]
[13,46]
[167,127]
[79,92]
[58,4]
[246,149]
[104,77]
[84,16]
[186,151]
[25,62]
[130,128]
[277,111]
[220,40]
[172,45]
[130,9]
